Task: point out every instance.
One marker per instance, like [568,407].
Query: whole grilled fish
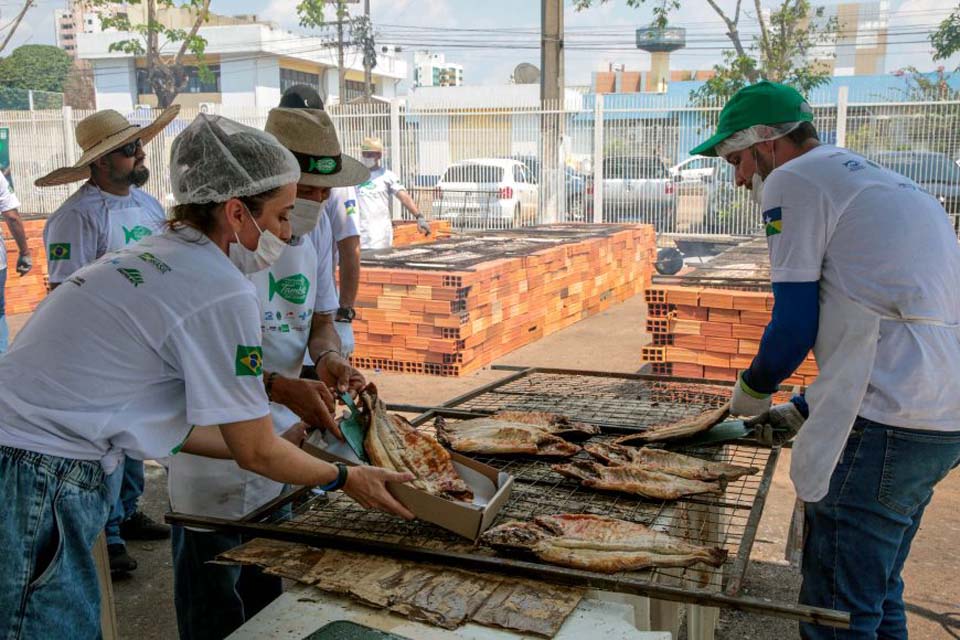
[677,430]
[537,434]
[675,464]
[634,480]
[597,543]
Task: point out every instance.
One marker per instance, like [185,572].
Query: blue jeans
[214,600]
[859,535]
[126,487]
[4,330]
[51,512]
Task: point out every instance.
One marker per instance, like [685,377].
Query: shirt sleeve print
[71,239]
[796,220]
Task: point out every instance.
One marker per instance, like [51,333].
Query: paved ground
[610,341]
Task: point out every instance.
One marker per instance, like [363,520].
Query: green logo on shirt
[133,275]
[157,263]
[366,185]
[249,361]
[292,288]
[60,251]
[136,234]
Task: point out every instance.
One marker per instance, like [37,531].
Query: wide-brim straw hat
[372,143]
[101,133]
[310,135]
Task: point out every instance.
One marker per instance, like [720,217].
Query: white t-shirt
[375,222]
[341,207]
[133,349]
[93,222]
[8,201]
[888,245]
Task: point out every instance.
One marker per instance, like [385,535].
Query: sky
[594,38]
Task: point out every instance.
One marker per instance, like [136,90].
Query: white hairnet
[757,133]
[215,159]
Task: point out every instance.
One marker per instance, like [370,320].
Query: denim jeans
[126,487]
[859,535]
[51,512]
[214,600]
[4,330]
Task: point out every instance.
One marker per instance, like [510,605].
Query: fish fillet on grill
[558,425]
[675,464]
[393,443]
[498,435]
[678,430]
[597,543]
[635,480]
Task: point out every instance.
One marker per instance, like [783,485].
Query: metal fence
[617,158]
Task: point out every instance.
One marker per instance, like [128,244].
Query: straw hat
[372,143]
[309,134]
[101,133]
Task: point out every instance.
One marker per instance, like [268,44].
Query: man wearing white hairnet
[864,266]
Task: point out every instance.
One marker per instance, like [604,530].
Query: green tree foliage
[35,66]
[312,14]
[946,39]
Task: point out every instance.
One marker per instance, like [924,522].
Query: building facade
[432,70]
[861,43]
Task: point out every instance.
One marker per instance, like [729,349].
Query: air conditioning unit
[208,107]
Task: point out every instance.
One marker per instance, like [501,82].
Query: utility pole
[367,67]
[551,94]
[341,68]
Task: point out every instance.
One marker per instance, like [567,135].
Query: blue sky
[494,65]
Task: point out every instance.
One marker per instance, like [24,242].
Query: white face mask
[304,216]
[368,162]
[756,183]
[269,248]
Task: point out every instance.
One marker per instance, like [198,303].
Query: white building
[252,64]
[432,70]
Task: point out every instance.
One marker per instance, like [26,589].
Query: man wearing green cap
[864,266]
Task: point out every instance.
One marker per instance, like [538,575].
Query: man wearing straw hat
[108,212]
[376,225]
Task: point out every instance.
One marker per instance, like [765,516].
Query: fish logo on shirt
[773,221]
[367,185]
[60,251]
[350,206]
[136,234]
[292,288]
[249,360]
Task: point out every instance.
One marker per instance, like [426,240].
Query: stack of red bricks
[23,294]
[709,333]
[405,232]
[453,322]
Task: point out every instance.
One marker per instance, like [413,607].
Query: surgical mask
[304,216]
[756,183]
[368,162]
[268,251]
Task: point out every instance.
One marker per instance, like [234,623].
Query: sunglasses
[130,149]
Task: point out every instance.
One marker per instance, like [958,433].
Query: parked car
[697,169]
[486,193]
[639,189]
[578,205]
[935,172]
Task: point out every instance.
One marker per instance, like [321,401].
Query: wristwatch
[341,479]
[346,314]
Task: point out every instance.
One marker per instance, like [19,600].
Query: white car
[696,169]
[486,193]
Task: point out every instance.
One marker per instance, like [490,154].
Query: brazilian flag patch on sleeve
[773,221]
[59,251]
[249,361]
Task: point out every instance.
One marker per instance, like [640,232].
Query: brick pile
[452,322]
[709,333]
[405,232]
[24,294]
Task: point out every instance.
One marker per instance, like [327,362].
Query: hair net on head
[757,133]
[215,159]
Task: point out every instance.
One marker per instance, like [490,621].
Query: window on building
[355,89]
[194,83]
[289,77]
[67,36]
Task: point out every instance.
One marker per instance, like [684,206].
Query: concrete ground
[610,341]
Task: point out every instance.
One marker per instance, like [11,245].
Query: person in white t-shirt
[108,212]
[864,269]
[342,209]
[375,222]
[8,209]
[130,352]
[297,298]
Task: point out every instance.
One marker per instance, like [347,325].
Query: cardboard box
[491,489]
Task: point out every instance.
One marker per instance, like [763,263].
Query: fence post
[69,148]
[843,98]
[396,157]
[30,98]
[598,158]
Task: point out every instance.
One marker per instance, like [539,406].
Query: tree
[780,53]
[946,39]
[167,74]
[312,15]
[35,66]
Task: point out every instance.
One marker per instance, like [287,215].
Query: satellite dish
[526,73]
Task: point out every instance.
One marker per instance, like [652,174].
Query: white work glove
[422,225]
[746,401]
[778,425]
[345,331]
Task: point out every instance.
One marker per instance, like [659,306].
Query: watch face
[346,313]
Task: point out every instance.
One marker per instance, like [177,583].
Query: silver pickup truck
[639,189]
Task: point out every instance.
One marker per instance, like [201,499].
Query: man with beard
[108,212]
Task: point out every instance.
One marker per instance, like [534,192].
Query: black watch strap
[341,479]
[346,314]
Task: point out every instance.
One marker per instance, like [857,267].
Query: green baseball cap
[761,103]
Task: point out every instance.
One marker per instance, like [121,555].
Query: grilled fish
[495,435]
[677,430]
[393,443]
[555,423]
[635,480]
[596,543]
[675,464]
